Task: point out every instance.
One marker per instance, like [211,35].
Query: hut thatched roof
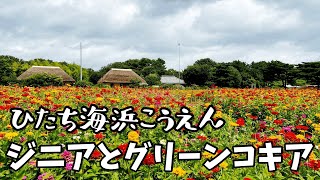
[123,76]
[52,70]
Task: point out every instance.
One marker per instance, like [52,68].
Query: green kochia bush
[43,79]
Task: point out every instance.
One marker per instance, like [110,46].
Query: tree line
[204,72]
[259,74]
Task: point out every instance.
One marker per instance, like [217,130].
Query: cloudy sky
[116,30]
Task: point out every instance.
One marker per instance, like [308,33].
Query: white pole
[179,62]
[80,61]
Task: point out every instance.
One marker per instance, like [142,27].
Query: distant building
[166,79]
[51,70]
[119,77]
[290,86]
[311,86]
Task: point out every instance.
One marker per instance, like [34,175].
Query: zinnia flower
[224,165]
[133,136]
[179,171]
[69,166]
[149,159]
[99,136]
[96,154]
[241,122]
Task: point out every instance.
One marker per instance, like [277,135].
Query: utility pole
[179,62]
[80,61]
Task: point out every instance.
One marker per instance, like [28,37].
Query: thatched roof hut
[166,79]
[52,70]
[121,76]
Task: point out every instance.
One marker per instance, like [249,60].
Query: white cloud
[247,15]
[117,30]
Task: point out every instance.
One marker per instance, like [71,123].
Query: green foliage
[6,69]
[83,84]
[40,80]
[172,72]
[300,82]
[204,72]
[228,76]
[276,84]
[311,72]
[206,62]
[153,79]
[102,85]
[196,74]
[135,83]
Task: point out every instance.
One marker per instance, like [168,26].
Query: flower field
[253,116]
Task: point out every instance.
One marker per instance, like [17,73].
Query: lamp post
[179,61]
[80,61]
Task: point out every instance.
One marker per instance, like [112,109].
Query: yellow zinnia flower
[99,99]
[224,165]
[11,135]
[300,136]
[133,136]
[312,156]
[207,155]
[29,133]
[178,171]
[218,114]
[207,104]
[235,156]
[233,124]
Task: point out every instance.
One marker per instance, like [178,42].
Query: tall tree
[279,71]
[6,70]
[196,74]
[311,72]
[228,76]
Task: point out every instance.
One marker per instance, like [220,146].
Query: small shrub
[102,85]
[83,84]
[134,83]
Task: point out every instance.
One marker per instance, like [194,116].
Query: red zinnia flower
[302,127]
[216,169]
[295,172]
[99,136]
[135,101]
[178,150]
[253,117]
[149,159]
[278,122]
[75,131]
[202,138]
[123,148]
[241,122]
[285,155]
[96,154]
[290,136]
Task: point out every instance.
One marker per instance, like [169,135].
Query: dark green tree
[153,79]
[311,72]
[278,71]
[196,74]
[228,76]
